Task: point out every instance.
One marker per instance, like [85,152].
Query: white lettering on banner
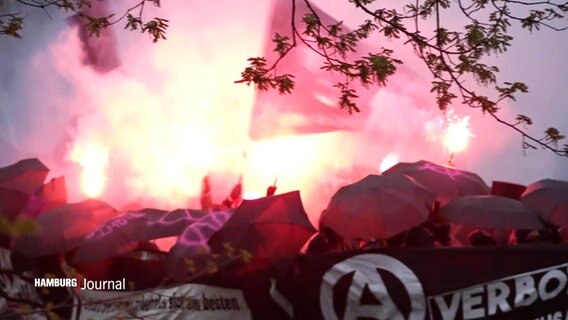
[12,285]
[188,301]
[526,292]
[497,298]
[503,295]
[365,274]
[558,315]
[472,299]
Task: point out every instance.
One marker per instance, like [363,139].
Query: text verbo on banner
[531,292]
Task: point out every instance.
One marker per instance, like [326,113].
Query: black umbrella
[26,175]
[12,202]
[492,212]
[63,228]
[114,237]
[550,198]
[50,196]
[446,182]
[192,243]
[274,227]
[170,224]
[377,207]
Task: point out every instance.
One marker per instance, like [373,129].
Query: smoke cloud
[156,120]
[99,51]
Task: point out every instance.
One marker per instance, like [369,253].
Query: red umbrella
[492,212]
[26,175]
[274,227]
[550,198]
[447,183]
[377,207]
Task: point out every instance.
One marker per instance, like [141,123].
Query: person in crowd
[325,241]
[519,236]
[563,235]
[549,235]
[318,244]
[478,238]
[441,231]
[396,241]
[375,244]
[440,228]
[419,237]
[334,240]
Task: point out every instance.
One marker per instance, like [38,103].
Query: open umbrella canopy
[170,224]
[12,202]
[49,196]
[550,199]
[377,207]
[62,228]
[447,183]
[492,212]
[114,237]
[274,227]
[26,175]
[192,243]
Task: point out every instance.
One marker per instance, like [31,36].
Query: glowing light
[251,195]
[457,135]
[93,158]
[390,160]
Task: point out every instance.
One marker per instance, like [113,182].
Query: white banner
[14,286]
[188,301]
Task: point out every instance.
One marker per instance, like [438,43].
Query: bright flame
[296,161]
[93,158]
[457,135]
[390,160]
[251,195]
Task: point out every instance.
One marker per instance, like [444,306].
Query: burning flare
[390,160]
[93,158]
[457,135]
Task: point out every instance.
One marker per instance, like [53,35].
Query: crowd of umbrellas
[405,200]
[445,207]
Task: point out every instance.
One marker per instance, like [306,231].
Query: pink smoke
[170,113]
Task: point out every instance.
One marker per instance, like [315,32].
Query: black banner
[436,284]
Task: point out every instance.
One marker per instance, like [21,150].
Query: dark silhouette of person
[478,238]
[419,237]
[318,245]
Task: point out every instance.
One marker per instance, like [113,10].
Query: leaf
[282,44]
[189,265]
[524,119]
[156,28]
[554,135]
[229,250]
[25,226]
[211,267]
[246,256]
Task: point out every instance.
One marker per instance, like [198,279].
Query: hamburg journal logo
[82,284]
